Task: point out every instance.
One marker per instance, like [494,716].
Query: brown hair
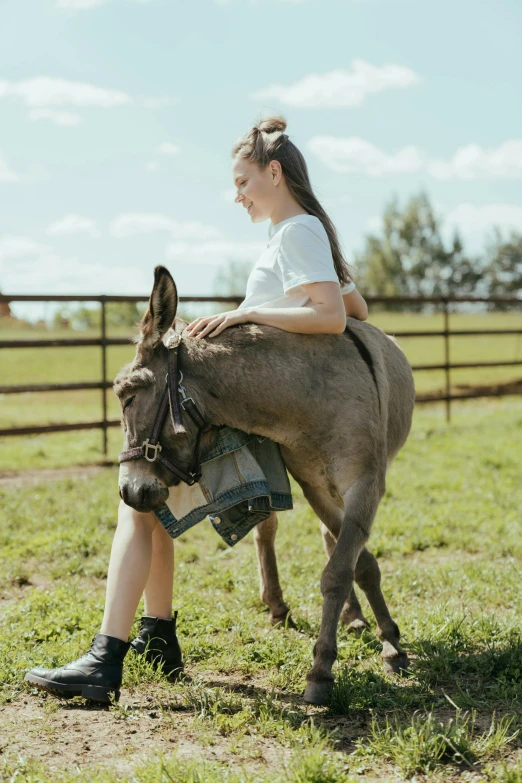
[268,141]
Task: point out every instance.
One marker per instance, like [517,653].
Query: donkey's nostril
[143,497]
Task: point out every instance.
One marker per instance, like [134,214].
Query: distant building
[5,310]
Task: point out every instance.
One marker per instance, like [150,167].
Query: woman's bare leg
[159,587]
[129,569]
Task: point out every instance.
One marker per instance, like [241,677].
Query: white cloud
[73,224]
[353,155]
[44,96]
[475,162]
[339,88]
[214,252]
[79,5]
[16,247]
[151,166]
[39,269]
[76,276]
[45,92]
[6,173]
[57,117]
[475,220]
[357,156]
[54,274]
[133,224]
[167,148]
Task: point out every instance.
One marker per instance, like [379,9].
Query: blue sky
[117,118]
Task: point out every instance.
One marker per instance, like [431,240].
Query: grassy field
[55,365]
[448,539]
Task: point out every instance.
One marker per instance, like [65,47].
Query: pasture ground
[448,540]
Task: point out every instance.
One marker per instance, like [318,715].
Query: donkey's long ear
[160,313]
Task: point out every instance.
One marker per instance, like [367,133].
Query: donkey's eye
[128,402]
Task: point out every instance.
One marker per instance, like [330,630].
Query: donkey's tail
[366,356]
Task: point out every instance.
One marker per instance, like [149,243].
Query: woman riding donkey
[300,284]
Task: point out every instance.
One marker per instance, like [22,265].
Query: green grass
[425,743]
[448,539]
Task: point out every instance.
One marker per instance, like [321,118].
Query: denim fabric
[243,480]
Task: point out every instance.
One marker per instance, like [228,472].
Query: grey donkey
[340,406]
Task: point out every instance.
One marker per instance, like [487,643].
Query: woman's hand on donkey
[212,325]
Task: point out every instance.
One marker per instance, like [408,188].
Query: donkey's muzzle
[144,496]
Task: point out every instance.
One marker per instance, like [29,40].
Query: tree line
[408,257]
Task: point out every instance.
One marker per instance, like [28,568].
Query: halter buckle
[156,448]
[172,341]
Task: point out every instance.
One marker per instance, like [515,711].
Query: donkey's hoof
[318,692]
[396,664]
[357,625]
[283,620]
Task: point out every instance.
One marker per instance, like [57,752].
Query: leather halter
[151,448]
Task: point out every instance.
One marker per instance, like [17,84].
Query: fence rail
[104,342]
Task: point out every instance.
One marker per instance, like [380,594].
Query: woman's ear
[160,313]
[276,171]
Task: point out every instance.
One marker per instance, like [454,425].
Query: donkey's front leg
[361,502]
[269,588]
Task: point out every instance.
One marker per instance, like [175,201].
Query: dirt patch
[68,734]
[13,479]
[76,734]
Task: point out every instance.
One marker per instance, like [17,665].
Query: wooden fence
[104,342]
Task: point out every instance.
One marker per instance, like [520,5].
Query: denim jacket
[243,480]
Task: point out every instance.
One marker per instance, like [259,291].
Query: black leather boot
[96,675]
[157,640]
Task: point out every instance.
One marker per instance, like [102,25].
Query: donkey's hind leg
[270,590]
[360,506]
[368,577]
[352,615]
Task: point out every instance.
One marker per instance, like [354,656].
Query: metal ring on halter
[156,448]
[182,390]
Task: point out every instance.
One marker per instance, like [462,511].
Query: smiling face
[257,189]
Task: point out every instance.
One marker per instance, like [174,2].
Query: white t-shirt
[298,252]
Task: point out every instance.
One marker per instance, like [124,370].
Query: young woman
[300,284]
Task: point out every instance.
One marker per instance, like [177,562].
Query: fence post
[447,360]
[104,371]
